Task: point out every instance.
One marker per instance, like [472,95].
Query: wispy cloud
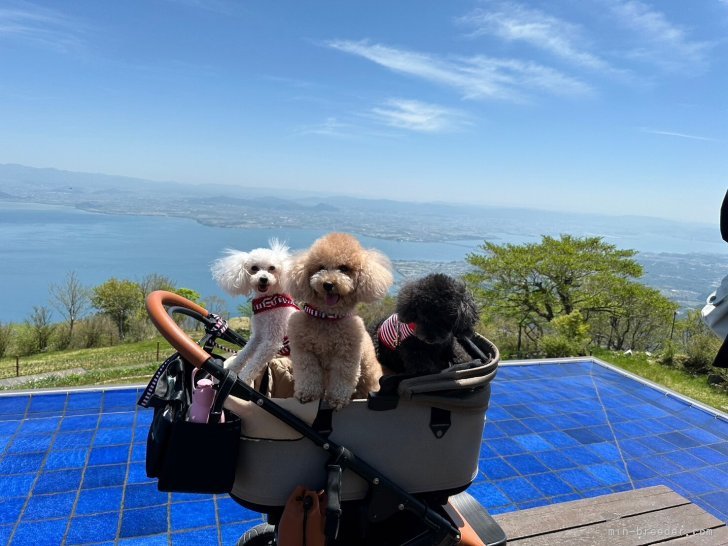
[476,77]
[514,22]
[419,116]
[661,42]
[40,26]
[678,135]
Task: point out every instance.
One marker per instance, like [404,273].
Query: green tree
[120,299]
[540,281]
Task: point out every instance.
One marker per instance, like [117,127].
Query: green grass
[674,378]
[135,363]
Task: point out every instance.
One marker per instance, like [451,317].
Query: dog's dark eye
[344,269]
[272,268]
[254,269]
[321,267]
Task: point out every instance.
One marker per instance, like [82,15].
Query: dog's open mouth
[263,288]
[332,299]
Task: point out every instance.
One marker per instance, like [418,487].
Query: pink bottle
[203,396]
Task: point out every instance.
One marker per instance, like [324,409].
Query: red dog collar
[267,303]
[321,315]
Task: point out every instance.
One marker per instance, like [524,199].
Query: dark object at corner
[724,218]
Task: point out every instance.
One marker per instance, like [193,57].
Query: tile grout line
[83,476]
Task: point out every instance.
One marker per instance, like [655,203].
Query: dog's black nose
[328,286]
[263,280]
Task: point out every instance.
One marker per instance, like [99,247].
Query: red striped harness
[275,301]
[392,332]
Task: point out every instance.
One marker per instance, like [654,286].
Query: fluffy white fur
[335,359]
[260,272]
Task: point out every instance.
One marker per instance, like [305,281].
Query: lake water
[40,244]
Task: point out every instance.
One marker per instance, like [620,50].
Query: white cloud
[513,22]
[678,135]
[476,77]
[419,116]
[661,42]
[40,26]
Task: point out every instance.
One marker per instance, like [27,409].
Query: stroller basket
[425,431]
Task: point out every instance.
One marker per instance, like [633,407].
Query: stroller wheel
[260,535]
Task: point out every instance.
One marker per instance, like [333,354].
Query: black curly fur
[442,309]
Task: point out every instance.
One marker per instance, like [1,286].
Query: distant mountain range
[682,259]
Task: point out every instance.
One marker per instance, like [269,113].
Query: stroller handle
[166,326]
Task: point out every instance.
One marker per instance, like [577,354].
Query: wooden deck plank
[639,530]
[584,512]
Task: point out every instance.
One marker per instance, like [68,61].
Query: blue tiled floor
[72,465]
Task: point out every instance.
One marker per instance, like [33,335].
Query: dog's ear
[230,273]
[468,315]
[375,278]
[296,281]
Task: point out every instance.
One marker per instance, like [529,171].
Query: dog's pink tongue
[332,299]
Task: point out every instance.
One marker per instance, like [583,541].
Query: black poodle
[421,337]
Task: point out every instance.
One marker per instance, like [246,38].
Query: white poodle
[259,272]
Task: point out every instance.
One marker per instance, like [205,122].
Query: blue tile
[21,463]
[116,420]
[679,439]
[518,489]
[519,411]
[58,481]
[191,515]
[16,486]
[505,446]
[13,404]
[229,511]
[702,436]
[34,426]
[526,464]
[84,400]
[533,442]
[718,500]
[538,424]
[692,483]
[58,505]
[51,531]
[138,473]
[488,495]
[559,439]
[195,538]
[638,471]
[96,501]
[85,529]
[141,495]
[606,450]
[684,459]
[121,399]
[109,455]
[512,427]
[609,474]
[10,509]
[550,485]
[144,521]
[47,403]
[104,476]
[554,460]
[156,540]
[496,469]
[112,436]
[582,455]
[578,479]
[33,443]
[708,454]
[8,428]
[661,464]
[584,435]
[59,460]
[70,440]
[79,422]
[5,532]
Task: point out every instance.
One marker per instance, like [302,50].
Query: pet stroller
[394,467]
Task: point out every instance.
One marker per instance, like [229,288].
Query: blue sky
[617,106]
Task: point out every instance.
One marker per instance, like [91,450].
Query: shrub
[6,338]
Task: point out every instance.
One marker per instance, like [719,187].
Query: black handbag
[176,447]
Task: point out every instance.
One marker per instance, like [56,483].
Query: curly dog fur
[259,273]
[431,313]
[333,356]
